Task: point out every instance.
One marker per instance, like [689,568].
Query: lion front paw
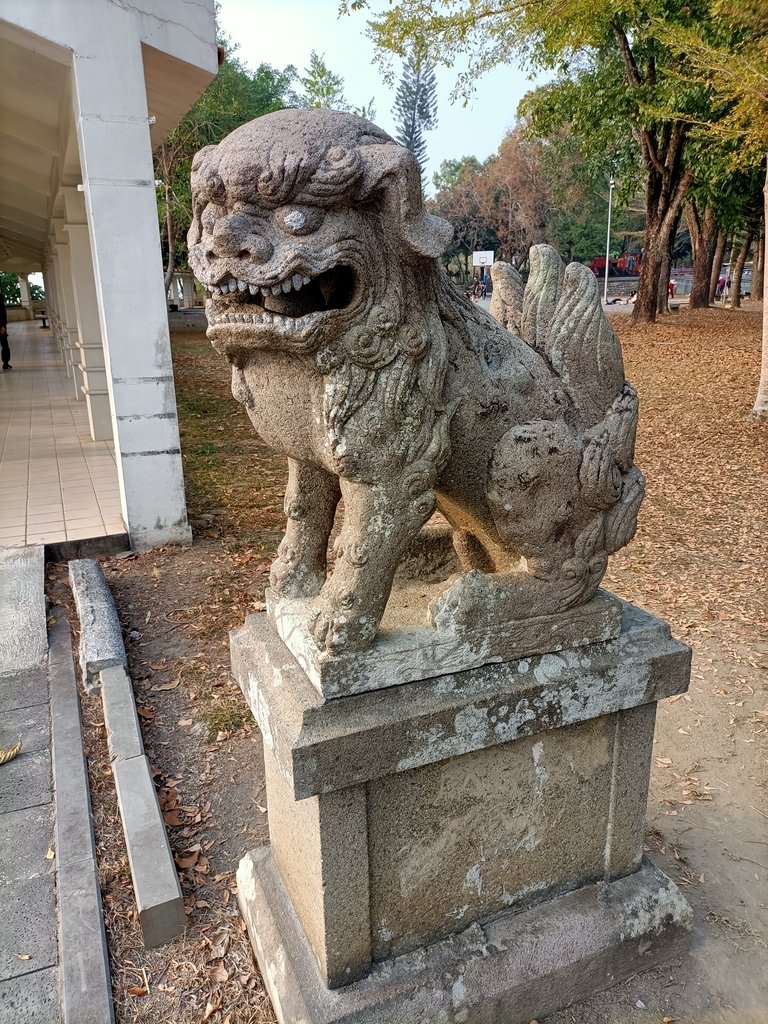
[337,626]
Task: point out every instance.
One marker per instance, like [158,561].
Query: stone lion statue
[358,359]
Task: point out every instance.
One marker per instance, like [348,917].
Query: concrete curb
[86,991]
[101,639]
[23,640]
[123,730]
[153,870]
[155,882]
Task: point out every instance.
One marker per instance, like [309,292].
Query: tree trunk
[704,240]
[170,228]
[760,408]
[717,262]
[758,270]
[742,259]
[665,194]
[662,290]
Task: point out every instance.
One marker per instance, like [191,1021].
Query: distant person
[483,285]
[671,288]
[632,298]
[5,350]
[720,287]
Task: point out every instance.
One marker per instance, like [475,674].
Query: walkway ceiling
[38,141]
[34,96]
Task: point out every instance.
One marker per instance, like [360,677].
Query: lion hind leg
[311,498]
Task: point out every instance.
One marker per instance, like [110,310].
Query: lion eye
[299,220]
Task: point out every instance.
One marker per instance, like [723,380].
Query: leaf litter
[699,561]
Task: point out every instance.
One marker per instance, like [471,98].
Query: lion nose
[235,236]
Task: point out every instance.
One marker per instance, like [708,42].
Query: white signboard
[482,259]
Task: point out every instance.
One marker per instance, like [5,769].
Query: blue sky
[284,33]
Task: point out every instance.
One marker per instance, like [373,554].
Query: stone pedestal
[466,847]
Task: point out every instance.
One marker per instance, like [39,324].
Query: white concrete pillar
[116,160]
[70,335]
[187,292]
[92,365]
[26,299]
[56,303]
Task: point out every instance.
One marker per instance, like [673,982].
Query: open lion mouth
[295,296]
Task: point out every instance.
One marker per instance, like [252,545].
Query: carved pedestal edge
[415,651]
[513,968]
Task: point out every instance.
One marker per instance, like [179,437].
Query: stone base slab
[508,970]
[407,649]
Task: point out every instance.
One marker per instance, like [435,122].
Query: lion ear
[396,169]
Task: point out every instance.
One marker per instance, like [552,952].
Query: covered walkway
[56,483]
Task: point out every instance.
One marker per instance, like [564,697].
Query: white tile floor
[56,484]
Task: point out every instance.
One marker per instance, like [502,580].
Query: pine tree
[415,109]
[322,88]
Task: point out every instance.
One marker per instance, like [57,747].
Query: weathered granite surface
[323,745]
[407,648]
[510,970]
[398,817]
[357,358]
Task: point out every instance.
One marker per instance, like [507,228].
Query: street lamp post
[612,186]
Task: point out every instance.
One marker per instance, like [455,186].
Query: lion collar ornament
[358,359]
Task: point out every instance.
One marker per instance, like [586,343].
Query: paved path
[29,951]
[53,957]
[56,483]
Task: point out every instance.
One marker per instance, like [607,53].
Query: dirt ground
[699,561]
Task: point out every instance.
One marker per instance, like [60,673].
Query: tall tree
[730,55]
[460,199]
[235,96]
[415,109]
[324,88]
[517,196]
[579,40]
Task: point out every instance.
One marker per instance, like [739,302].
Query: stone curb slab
[155,882]
[123,728]
[101,638]
[86,991]
[23,639]
[513,969]
[23,690]
[31,999]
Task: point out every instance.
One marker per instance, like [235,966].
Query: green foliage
[36,293]
[9,284]
[325,89]
[415,109]
[236,95]
[451,172]
[728,55]
[322,88]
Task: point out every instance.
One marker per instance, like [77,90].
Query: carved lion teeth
[286,285]
[297,281]
[253,288]
[241,285]
[306,280]
[276,289]
[232,286]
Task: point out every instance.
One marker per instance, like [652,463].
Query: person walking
[5,350]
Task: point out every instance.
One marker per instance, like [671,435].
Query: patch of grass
[224,715]
[227,468]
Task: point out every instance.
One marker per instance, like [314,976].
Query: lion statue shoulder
[357,359]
